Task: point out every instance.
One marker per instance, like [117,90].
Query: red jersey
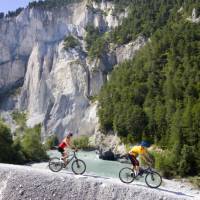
[64,143]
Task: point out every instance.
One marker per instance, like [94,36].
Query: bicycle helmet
[145,144]
[69,134]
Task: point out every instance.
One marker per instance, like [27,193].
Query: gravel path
[23,182]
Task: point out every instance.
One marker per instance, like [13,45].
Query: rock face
[106,154]
[110,146]
[27,183]
[194,18]
[55,83]
[128,51]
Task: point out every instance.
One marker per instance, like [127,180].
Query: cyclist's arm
[147,158]
[72,146]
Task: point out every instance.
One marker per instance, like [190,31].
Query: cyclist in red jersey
[66,143]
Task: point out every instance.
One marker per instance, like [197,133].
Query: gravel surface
[23,182]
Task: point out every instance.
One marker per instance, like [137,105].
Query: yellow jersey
[137,150]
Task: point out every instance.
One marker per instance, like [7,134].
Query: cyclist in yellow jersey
[139,150]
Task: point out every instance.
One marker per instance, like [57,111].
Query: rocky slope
[27,183]
[55,83]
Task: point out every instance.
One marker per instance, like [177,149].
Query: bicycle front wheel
[126,175]
[78,166]
[153,180]
[55,164]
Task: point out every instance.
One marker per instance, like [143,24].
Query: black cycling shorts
[61,150]
[133,159]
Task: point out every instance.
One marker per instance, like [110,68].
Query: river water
[96,166]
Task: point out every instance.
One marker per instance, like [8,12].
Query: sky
[10,5]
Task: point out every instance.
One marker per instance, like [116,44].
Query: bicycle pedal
[65,166]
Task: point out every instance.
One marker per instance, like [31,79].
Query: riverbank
[22,182]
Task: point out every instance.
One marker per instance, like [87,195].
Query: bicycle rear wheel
[55,164]
[78,166]
[153,180]
[126,175]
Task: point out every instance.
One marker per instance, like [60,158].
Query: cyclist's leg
[65,156]
[60,150]
[137,165]
[134,162]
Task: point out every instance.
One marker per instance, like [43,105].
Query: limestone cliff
[55,84]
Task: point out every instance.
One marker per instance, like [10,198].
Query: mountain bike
[78,166]
[152,179]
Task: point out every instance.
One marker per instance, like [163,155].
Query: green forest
[156,96]
[50,4]
[144,18]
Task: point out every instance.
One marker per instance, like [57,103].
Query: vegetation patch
[25,147]
[31,145]
[51,4]
[195,181]
[82,142]
[70,42]
[14,13]
[51,142]
[19,118]
[95,43]
[92,98]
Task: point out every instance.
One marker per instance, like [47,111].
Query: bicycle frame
[148,170]
[73,156]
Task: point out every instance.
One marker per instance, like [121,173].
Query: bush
[28,142]
[5,144]
[18,156]
[70,42]
[19,118]
[26,147]
[81,142]
[195,181]
[165,162]
[32,146]
[51,142]
[9,152]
